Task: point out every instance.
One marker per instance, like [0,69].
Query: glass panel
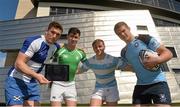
[66,10]
[142,27]
[52,9]
[150,2]
[61,11]
[173,51]
[52,13]
[176,70]
[70,10]
[10,57]
[164,67]
[176,5]
[164,4]
[130,0]
[160,22]
[2,58]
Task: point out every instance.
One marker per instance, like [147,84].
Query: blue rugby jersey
[131,54]
[104,69]
[39,51]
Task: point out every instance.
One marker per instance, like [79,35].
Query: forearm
[165,56]
[24,68]
[128,68]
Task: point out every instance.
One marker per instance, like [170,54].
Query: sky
[7,12]
[8,9]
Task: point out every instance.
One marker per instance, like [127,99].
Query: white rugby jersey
[39,51]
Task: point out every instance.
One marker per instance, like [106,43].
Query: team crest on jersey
[153,43]
[16,98]
[162,98]
[136,44]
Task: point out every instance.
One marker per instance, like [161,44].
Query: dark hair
[74,30]
[97,40]
[55,25]
[119,24]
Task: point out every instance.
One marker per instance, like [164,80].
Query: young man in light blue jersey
[151,86]
[21,85]
[103,65]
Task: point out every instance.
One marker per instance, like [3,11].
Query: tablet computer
[57,72]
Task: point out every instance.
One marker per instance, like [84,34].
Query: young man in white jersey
[21,85]
[103,65]
[151,87]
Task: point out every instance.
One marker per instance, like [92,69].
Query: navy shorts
[157,93]
[16,91]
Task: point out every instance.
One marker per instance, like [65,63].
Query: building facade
[160,18]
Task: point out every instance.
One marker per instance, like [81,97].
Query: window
[164,67]
[173,51]
[67,10]
[160,22]
[2,58]
[176,5]
[149,2]
[164,4]
[142,27]
[10,57]
[176,70]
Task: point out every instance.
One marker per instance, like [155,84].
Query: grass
[86,105]
[119,105]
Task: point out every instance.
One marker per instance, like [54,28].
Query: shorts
[16,91]
[60,93]
[157,93]
[110,94]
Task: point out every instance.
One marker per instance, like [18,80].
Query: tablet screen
[57,72]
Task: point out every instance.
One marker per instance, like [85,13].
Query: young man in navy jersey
[21,85]
[151,86]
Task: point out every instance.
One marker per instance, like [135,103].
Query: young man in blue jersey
[103,65]
[151,86]
[21,85]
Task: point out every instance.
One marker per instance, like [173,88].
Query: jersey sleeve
[29,48]
[83,67]
[55,54]
[122,63]
[83,55]
[153,44]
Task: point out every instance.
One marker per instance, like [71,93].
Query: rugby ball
[143,54]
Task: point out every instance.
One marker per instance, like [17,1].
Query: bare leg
[31,103]
[95,102]
[71,103]
[55,103]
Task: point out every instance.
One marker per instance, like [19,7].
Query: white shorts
[110,94]
[60,93]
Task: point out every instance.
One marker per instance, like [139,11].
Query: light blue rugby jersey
[39,51]
[144,76]
[104,70]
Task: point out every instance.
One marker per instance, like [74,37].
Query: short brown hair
[119,24]
[55,25]
[74,30]
[97,40]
